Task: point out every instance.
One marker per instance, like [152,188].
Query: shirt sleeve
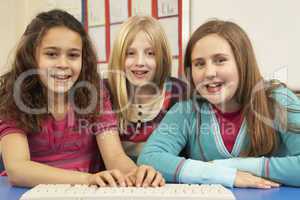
[107,120]
[196,171]
[284,166]
[8,127]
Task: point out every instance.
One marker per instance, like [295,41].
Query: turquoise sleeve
[166,142]
[195,171]
[251,165]
[284,166]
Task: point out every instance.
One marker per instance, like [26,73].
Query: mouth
[139,73]
[214,87]
[61,77]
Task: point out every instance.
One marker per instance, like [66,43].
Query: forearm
[285,170]
[121,162]
[167,164]
[195,171]
[177,169]
[29,174]
[112,152]
[251,165]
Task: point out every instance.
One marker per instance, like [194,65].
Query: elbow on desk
[14,176]
[13,180]
[295,183]
[292,180]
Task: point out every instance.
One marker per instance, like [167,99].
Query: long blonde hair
[158,39]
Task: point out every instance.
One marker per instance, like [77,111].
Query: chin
[61,90]
[215,101]
[139,82]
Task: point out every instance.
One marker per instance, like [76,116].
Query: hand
[145,176]
[245,179]
[110,178]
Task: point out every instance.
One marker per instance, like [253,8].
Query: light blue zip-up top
[181,129]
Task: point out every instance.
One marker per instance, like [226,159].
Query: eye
[51,54]
[130,53]
[74,55]
[220,60]
[150,53]
[199,63]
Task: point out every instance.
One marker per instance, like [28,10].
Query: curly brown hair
[32,92]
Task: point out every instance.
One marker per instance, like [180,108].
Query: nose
[62,61]
[211,71]
[141,60]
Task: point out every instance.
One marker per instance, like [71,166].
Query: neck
[228,107]
[144,94]
[57,105]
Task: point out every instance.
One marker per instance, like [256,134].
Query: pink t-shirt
[69,143]
[230,124]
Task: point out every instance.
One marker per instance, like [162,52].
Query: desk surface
[8,192]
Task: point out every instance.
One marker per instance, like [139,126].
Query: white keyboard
[167,192]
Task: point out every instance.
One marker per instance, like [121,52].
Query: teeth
[140,72]
[214,85]
[61,76]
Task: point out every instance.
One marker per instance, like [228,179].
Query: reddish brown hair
[263,138]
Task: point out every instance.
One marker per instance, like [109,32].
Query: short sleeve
[8,127]
[107,120]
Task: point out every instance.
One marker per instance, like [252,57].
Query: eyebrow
[214,55]
[197,59]
[220,54]
[55,48]
[134,48]
[150,48]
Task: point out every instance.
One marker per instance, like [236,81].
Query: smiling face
[59,59]
[215,72]
[140,63]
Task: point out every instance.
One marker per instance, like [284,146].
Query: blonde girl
[140,81]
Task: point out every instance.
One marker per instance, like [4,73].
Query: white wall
[273,27]
[12,22]
[14,16]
